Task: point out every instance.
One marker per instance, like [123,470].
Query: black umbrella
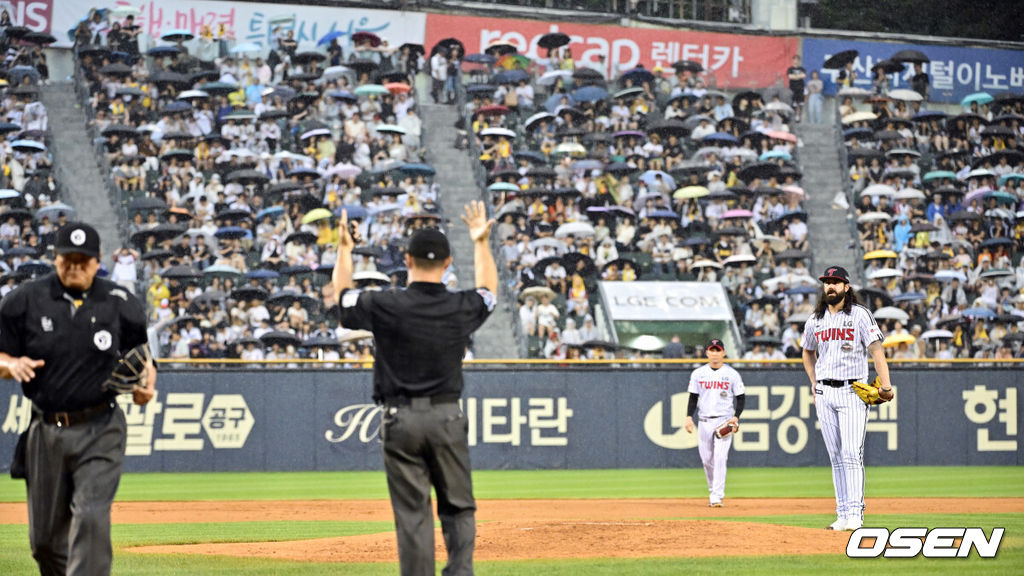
[414,49]
[248,177]
[167,77]
[158,255]
[668,127]
[888,66]
[690,65]
[910,56]
[181,272]
[117,69]
[581,263]
[446,46]
[301,237]
[363,65]
[283,299]
[145,203]
[92,49]
[280,338]
[837,61]
[39,38]
[249,292]
[553,40]
[587,74]
[233,215]
[321,342]
[762,170]
[307,57]
[750,96]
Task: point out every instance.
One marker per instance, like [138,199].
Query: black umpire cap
[835,273]
[77,237]
[429,244]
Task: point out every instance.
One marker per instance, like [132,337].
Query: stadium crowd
[939,208]
[233,168]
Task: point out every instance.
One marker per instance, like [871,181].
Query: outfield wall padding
[547,419]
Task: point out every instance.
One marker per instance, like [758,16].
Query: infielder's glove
[871,392]
[726,429]
[130,371]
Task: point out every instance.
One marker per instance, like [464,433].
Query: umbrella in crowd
[553,40]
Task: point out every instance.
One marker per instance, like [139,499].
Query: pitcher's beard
[833,298]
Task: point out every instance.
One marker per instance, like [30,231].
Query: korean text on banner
[731,60]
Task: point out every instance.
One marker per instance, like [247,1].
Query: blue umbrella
[587,165]
[246,47]
[354,212]
[232,232]
[638,76]
[909,297]
[650,177]
[979,313]
[720,137]
[262,274]
[979,97]
[177,106]
[326,38]
[34,267]
[936,174]
[304,172]
[1006,178]
[271,211]
[802,290]
[9,193]
[774,154]
[555,100]
[663,214]
[928,115]
[15,74]
[480,59]
[503,187]
[423,169]
[510,77]
[696,241]
[164,51]
[177,34]
[28,146]
[532,156]
[589,94]
[343,95]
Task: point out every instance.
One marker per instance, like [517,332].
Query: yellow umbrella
[894,340]
[878,254]
[316,214]
[691,192]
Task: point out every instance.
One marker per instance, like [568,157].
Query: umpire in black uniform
[61,336]
[421,334]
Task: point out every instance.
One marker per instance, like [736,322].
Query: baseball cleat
[715,505]
[839,524]
[853,524]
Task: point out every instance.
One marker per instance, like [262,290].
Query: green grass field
[933,482]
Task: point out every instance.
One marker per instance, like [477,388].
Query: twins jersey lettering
[715,390]
[841,341]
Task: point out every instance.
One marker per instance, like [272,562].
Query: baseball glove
[130,371]
[726,429]
[871,392]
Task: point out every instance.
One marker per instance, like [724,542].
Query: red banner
[730,60]
[33,14]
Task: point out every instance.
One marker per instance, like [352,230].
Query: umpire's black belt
[836,383]
[76,417]
[418,400]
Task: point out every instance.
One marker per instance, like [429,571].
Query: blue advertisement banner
[955,71]
[549,419]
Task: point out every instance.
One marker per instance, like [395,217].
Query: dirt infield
[539,529]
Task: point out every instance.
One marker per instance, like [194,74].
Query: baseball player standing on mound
[717,391]
[837,340]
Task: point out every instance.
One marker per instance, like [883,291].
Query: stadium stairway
[828,226]
[77,169]
[458,188]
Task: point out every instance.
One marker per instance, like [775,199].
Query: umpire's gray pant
[426,444]
[72,476]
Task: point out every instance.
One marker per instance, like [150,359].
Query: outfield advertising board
[548,419]
[955,71]
[734,61]
[251,21]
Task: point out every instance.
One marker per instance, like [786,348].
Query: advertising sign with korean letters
[608,418]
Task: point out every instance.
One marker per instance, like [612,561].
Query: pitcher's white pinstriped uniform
[841,341]
[716,392]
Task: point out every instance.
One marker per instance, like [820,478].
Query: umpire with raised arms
[421,334]
[61,336]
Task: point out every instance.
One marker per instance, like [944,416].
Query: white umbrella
[772,284]
[905,95]
[928,335]
[885,273]
[738,258]
[353,335]
[552,76]
[879,190]
[891,313]
[909,194]
[873,217]
[246,47]
[777,244]
[779,107]
[366,275]
[798,318]
[574,229]
[648,343]
[187,94]
[859,117]
[947,275]
[706,264]
[558,245]
[498,132]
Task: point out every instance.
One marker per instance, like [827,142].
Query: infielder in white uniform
[716,392]
[837,340]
